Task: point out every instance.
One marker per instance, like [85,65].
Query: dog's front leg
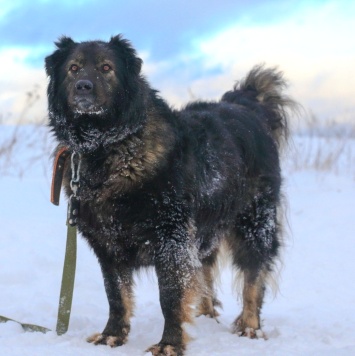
[118,285]
[179,272]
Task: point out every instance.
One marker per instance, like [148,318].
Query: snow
[312,314]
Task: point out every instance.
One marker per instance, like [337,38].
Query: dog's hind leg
[248,322]
[254,250]
[208,300]
[118,284]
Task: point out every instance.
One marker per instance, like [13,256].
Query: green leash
[66,291]
[68,277]
[26,327]
[67,288]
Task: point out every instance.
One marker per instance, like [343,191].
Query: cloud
[312,47]
[189,51]
[19,87]
[164,28]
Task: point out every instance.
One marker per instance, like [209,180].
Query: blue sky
[162,27]
[190,48]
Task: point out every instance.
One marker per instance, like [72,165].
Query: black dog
[164,188]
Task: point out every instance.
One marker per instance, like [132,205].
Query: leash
[68,277]
[67,286]
[26,327]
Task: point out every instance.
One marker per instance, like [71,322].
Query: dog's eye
[106,67]
[74,68]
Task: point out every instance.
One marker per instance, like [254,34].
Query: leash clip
[75,172]
[73,210]
[74,200]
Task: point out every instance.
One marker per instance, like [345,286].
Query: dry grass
[22,147]
[324,146]
[24,144]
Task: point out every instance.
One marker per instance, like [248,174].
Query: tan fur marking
[138,158]
[248,321]
[112,341]
[128,303]
[95,339]
[188,304]
[156,143]
[208,300]
[160,350]
[251,295]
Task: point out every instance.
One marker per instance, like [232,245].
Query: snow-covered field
[312,314]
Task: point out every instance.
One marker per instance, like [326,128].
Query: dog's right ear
[64,44]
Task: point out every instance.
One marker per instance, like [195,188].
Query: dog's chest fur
[117,207]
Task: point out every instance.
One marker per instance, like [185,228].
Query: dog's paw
[102,339]
[207,308]
[212,313]
[243,328]
[251,333]
[165,350]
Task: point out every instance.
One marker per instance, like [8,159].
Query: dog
[167,188]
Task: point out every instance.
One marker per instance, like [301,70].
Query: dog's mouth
[87,106]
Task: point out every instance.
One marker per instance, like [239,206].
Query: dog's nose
[84,86]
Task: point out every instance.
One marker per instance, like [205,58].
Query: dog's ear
[128,53]
[64,44]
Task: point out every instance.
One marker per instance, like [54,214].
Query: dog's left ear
[129,54]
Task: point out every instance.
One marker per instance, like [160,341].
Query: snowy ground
[313,313]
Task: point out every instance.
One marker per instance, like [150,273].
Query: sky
[191,49]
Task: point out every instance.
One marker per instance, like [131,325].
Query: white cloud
[314,49]
[17,80]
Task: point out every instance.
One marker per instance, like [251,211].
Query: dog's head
[92,87]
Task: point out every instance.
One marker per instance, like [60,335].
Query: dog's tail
[265,87]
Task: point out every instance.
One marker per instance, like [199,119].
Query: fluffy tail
[265,87]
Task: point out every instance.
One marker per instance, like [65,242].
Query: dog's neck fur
[121,166]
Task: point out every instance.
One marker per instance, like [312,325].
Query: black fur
[163,188]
